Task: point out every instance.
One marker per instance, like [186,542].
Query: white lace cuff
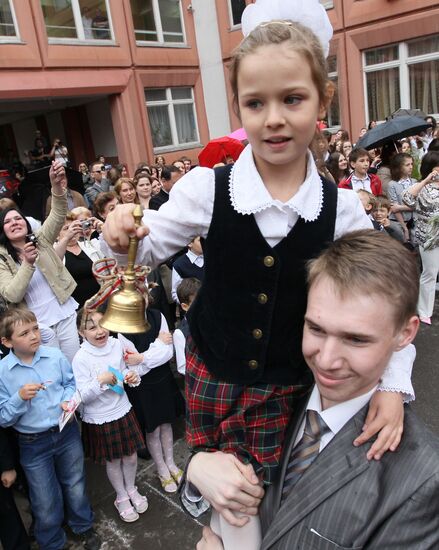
[397,376]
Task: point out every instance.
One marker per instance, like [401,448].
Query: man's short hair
[372,263]
[381,201]
[187,289]
[357,153]
[14,316]
[167,172]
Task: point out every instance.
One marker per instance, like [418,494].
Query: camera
[86,224]
[32,238]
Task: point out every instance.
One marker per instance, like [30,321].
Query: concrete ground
[165,526]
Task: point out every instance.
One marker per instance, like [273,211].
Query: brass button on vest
[257,333]
[262,298]
[268,261]
[253,364]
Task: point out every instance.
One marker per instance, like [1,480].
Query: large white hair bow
[309,13]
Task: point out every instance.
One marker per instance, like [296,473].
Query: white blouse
[188,214]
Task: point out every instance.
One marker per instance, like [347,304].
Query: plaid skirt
[247,420]
[115,439]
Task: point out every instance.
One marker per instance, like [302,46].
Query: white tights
[122,475]
[160,445]
[248,536]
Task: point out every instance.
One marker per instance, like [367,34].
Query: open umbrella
[391,130]
[240,134]
[218,150]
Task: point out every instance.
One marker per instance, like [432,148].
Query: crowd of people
[233,256]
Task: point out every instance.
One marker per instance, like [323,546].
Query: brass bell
[126,308]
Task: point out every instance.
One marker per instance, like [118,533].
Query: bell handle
[134,241]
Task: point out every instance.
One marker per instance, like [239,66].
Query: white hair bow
[309,13]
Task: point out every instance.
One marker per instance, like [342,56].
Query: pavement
[165,526]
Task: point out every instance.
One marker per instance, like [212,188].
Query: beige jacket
[14,279]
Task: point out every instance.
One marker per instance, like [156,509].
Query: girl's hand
[165,337]
[8,478]
[107,378]
[132,358]
[386,416]
[119,227]
[64,406]
[131,377]
[58,178]
[29,254]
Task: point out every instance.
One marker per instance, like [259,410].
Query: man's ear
[184,306]
[6,342]
[408,332]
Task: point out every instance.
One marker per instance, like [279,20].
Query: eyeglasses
[97,171]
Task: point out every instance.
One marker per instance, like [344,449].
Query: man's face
[169,184]
[361,165]
[97,172]
[348,341]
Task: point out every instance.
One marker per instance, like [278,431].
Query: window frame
[403,63]
[16,38]
[169,102]
[327,4]
[160,43]
[233,26]
[334,75]
[81,40]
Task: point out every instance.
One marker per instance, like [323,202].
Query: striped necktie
[306,450]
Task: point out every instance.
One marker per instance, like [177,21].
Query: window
[236,8]
[158,21]
[7,21]
[333,115]
[327,4]
[402,75]
[172,117]
[77,20]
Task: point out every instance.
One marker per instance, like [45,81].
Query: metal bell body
[126,311]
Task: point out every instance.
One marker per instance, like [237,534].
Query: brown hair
[356,154]
[119,184]
[299,38]
[141,175]
[396,165]
[187,289]
[7,203]
[381,201]
[12,317]
[373,262]
[102,200]
[370,197]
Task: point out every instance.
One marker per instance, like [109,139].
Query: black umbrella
[392,130]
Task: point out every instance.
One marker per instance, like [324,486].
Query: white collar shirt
[361,183]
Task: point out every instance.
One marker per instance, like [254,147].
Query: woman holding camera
[79,251]
[423,197]
[32,274]
[59,152]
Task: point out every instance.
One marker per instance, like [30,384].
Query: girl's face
[338,146]
[144,188]
[347,148]
[342,162]
[154,172]
[155,187]
[127,193]
[160,160]
[405,147]
[14,227]
[406,168]
[83,168]
[279,106]
[124,172]
[93,332]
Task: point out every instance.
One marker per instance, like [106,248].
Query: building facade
[132,79]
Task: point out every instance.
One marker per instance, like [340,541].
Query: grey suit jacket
[345,501]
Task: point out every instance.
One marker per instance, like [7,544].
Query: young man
[328,494]
[359,161]
[36,384]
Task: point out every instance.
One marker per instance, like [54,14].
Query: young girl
[111,433]
[157,401]
[401,168]
[261,219]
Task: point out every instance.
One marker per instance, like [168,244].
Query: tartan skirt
[247,420]
[111,440]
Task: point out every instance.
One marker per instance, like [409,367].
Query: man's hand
[58,178]
[386,416]
[209,541]
[29,391]
[227,484]
[8,478]
[119,227]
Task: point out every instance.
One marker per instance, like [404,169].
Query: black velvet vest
[247,320]
[185,268]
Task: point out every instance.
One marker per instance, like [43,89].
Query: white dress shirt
[360,183]
[195,259]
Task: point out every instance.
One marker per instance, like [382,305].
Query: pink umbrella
[239,134]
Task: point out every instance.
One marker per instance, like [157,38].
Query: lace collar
[249,195]
[93,350]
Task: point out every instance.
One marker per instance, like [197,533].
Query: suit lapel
[335,466]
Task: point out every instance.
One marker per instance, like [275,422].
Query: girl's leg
[129,469]
[116,477]
[167,439]
[430,267]
[248,536]
[154,445]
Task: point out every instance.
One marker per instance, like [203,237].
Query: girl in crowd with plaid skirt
[111,433]
[260,220]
